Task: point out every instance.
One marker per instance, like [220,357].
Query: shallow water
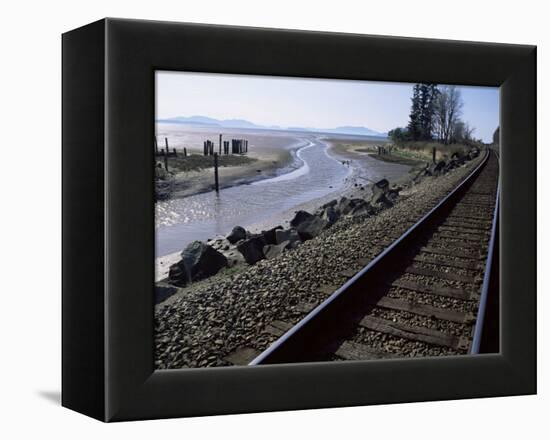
[206,215]
[192,137]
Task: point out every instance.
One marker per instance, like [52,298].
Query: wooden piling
[220,146]
[165,158]
[216,172]
[184,152]
[433,154]
[156,146]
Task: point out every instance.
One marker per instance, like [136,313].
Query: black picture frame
[108,219]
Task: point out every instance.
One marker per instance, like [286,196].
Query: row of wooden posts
[165,152]
[238,146]
[383,150]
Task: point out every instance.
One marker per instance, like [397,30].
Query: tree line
[435,115]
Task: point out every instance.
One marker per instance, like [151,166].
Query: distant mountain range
[241,123]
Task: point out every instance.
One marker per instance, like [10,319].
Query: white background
[30,103]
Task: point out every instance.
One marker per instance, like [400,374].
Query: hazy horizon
[308,102]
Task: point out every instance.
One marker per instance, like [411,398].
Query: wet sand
[269,161]
[364,171]
[272,153]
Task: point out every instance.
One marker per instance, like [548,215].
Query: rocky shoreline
[222,295]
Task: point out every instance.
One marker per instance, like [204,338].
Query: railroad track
[428,293]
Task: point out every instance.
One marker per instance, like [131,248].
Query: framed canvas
[225,251]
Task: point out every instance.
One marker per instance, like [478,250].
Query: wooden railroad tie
[424,310]
[363,261]
[414,333]
[382,244]
[481,226]
[348,273]
[475,205]
[448,252]
[483,193]
[277,328]
[462,237]
[241,356]
[470,247]
[471,218]
[328,289]
[468,265]
[479,233]
[305,307]
[351,351]
[447,292]
[449,276]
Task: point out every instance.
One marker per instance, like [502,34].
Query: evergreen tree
[414,127]
[421,118]
[428,94]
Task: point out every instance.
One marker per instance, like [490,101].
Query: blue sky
[318,103]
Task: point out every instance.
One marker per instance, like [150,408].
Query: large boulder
[452,164]
[473,153]
[381,200]
[237,233]
[458,158]
[381,186]
[392,195]
[332,203]
[311,227]
[274,250]
[270,235]
[362,208]
[198,261]
[382,195]
[345,205]
[435,169]
[234,257]
[252,249]
[299,218]
[290,235]
[330,214]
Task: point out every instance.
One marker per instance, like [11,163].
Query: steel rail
[480,320]
[297,340]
